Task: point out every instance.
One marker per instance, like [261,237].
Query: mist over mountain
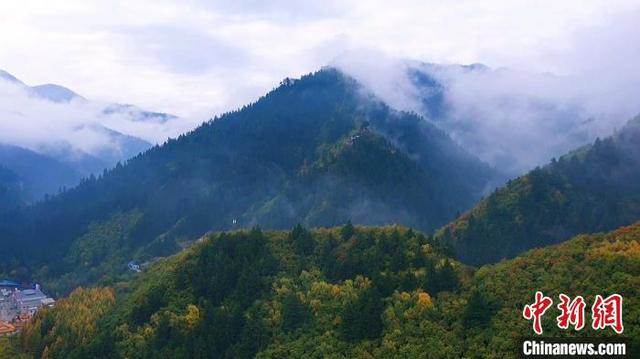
[512,119]
[594,188]
[47,114]
[319,179]
[10,78]
[319,151]
[56,93]
[83,137]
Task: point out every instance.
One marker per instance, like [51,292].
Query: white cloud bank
[31,121]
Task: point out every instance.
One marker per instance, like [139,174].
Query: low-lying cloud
[30,121]
[517,119]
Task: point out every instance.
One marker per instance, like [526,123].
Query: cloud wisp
[27,119]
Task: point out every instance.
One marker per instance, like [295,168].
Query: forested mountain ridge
[595,188]
[319,151]
[39,174]
[350,291]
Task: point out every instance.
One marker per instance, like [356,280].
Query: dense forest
[343,292]
[11,193]
[318,151]
[595,188]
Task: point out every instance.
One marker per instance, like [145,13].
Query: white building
[24,303]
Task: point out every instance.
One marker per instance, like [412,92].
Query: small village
[18,304]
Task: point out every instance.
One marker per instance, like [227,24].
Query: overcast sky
[198,58]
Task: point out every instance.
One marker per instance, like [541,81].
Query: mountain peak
[56,93]
[9,77]
[51,92]
[315,151]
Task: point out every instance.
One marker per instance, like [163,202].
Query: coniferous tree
[347,230]
[478,312]
[362,318]
[302,240]
[295,313]
[446,278]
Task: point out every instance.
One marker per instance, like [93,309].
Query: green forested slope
[595,188]
[40,175]
[235,294]
[348,292]
[586,265]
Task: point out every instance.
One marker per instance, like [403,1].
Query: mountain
[117,147]
[59,94]
[595,188]
[501,114]
[37,174]
[70,129]
[50,92]
[10,78]
[121,147]
[56,93]
[318,151]
[343,292]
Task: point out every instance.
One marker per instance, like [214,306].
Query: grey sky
[198,58]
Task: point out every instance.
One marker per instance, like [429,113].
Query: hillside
[11,193]
[39,174]
[586,265]
[353,292]
[317,151]
[325,285]
[595,188]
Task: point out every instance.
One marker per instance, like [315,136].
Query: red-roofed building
[7,328]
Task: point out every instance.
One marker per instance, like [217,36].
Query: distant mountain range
[497,114]
[51,92]
[47,166]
